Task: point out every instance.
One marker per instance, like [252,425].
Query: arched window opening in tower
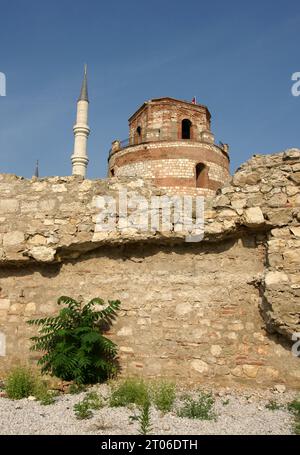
[112,172]
[186,127]
[201,175]
[138,135]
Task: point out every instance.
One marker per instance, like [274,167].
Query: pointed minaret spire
[81,131]
[36,171]
[84,96]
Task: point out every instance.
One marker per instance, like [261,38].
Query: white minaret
[81,131]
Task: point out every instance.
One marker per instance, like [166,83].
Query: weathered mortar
[190,311]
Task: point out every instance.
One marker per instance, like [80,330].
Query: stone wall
[222,310]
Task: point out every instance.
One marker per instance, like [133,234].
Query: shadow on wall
[145,249]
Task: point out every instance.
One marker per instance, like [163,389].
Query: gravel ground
[237,413]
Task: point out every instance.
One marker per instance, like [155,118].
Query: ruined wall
[187,311]
[222,310]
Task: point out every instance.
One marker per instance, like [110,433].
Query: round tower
[171,144]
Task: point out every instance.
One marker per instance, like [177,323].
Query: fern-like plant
[144,418]
[73,342]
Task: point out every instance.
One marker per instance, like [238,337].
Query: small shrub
[144,418]
[129,391]
[294,407]
[163,396]
[202,408]
[74,345]
[272,405]
[42,394]
[226,402]
[94,400]
[20,383]
[75,388]
[82,410]
[47,399]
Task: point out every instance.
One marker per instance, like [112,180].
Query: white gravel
[244,414]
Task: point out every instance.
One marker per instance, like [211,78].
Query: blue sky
[237,57]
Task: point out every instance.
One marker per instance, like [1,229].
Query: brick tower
[170,143]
